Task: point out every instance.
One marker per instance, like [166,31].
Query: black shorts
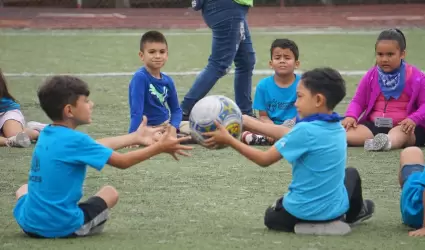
[95,212]
[277,218]
[419,132]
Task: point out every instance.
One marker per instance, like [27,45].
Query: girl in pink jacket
[388,108]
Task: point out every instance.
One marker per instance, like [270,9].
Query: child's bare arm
[270,130]
[143,135]
[264,117]
[167,144]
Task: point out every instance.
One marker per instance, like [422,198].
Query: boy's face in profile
[154,55]
[308,103]
[81,112]
[283,61]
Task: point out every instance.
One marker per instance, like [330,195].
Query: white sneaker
[21,140]
[381,142]
[36,125]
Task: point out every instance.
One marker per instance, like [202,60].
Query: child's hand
[349,122]
[146,135]
[218,137]
[408,126]
[171,145]
[419,232]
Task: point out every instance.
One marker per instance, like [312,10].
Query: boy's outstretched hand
[416,233]
[147,135]
[170,144]
[218,137]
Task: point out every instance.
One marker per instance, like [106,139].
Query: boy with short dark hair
[322,191]
[275,95]
[150,91]
[48,206]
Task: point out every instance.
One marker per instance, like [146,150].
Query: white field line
[202,32]
[181,73]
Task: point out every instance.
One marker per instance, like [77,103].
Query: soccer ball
[215,108]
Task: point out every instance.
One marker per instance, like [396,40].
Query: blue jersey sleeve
[294,144]
[260,97]
[176,112]
[92,153]
[136,100]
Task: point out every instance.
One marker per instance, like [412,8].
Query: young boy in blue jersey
[275,95]
[150,91]
[48,206]
[412,182]
[322,190]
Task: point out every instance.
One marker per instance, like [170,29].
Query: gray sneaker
[21,140]
[326,228]
[36,125]
[289,123]
[378,143]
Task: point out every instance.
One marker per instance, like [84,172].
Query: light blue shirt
[278,102]
[317,151]
[55,185]
[411,200]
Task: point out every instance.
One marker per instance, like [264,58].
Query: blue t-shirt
[7,104]
[411,200]
[149,96]
[55,184]
[317,151]
[278,102]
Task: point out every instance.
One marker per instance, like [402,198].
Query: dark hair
[325,81]
[285,44]
[152,36]
[4,91]
[59,91]
[393,35]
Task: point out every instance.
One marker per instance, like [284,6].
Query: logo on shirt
[161,96]
[274,105]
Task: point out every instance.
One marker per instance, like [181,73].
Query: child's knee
[411,155]
[23,190]
[109,194]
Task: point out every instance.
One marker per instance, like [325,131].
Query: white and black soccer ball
[215,108]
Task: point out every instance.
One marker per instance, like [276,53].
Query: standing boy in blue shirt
[150,91]
[48,206]
[322,189]
[275,95]
[412,183]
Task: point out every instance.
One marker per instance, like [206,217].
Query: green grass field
[215,199]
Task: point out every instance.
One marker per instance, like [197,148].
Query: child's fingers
[184,147]
[174,156]
[210,140]
[180,152]
[183,139]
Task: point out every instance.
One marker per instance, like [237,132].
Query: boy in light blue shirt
[275,95]
[322,191]
[412,183]
[49,205]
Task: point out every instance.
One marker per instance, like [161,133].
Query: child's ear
[141,55]
[67,111]
[320,100]
[297,64]
[270,64]
[403,54]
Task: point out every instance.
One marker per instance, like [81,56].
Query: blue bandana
[334,117]
[392,83]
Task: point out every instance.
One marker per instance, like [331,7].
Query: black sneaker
[365,214]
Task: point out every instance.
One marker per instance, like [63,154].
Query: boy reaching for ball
[275,95]
[152,93]
[323,195]
[48,206]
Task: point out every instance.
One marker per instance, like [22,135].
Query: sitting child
[150,91]
[388,108]
[13,130]
[322,190]
[275,95]
[48,206]
[412,183]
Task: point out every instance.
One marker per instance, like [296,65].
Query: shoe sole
[329,228]
[361,220]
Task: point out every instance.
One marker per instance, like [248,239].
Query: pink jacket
[368,91]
